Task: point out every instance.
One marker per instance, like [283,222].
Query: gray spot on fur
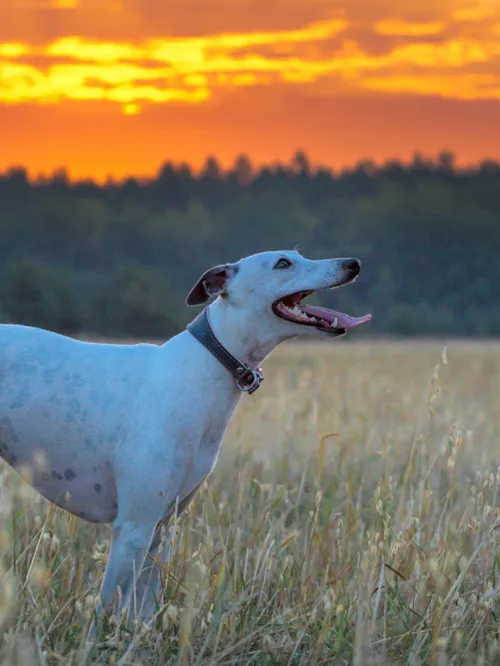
[23,368]
[56,475]
[69,474]
[113,439]
[7,454]
[8,437]
[89,443]
[75,383]
[253,358]
[7,432]
[20,400]
[97,487]
[80,514]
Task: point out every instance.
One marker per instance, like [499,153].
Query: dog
[127,434]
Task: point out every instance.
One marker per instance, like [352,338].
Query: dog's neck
[243,335]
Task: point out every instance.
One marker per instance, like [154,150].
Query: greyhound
[127,434]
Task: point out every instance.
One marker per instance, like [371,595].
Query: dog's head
[270,286]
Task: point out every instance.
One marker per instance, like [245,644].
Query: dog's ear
[212,283]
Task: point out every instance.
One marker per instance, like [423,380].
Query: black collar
[247,379]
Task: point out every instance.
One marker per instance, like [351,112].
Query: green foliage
[118,259]
[135,300]
[36,294]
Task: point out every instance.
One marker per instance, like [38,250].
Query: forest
[117,259]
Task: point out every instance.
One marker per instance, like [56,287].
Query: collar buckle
[249,379]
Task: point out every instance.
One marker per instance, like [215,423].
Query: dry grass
[351,519]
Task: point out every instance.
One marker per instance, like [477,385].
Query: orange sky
[118,86]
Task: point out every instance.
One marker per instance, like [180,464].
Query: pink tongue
[345,321]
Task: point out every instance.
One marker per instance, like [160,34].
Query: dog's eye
[283,263]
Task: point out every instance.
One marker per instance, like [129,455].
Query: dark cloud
[139,19]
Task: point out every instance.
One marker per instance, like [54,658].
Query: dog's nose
[352,265]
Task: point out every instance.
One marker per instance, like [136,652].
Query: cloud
[13,50]
[477,12]
[37,5]
[453,53]
[399,27]
[468,87]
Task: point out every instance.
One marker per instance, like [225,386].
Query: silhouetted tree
[301,164]
[242,170]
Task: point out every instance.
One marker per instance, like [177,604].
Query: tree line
[117,259]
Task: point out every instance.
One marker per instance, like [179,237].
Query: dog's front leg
[133,530]
[126,558]
[147,594]
[129,545]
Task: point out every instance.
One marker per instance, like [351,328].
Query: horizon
[457,166]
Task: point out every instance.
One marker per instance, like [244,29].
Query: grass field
[350,520]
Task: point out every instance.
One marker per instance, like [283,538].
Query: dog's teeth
[335,322]
[299,314]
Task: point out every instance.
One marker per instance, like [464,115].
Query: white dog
[128,433]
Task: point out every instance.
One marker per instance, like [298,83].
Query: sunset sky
[119,86]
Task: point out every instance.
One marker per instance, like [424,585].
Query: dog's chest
[208,450]
[204,451]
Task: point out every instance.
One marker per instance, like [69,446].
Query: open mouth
[291,309]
